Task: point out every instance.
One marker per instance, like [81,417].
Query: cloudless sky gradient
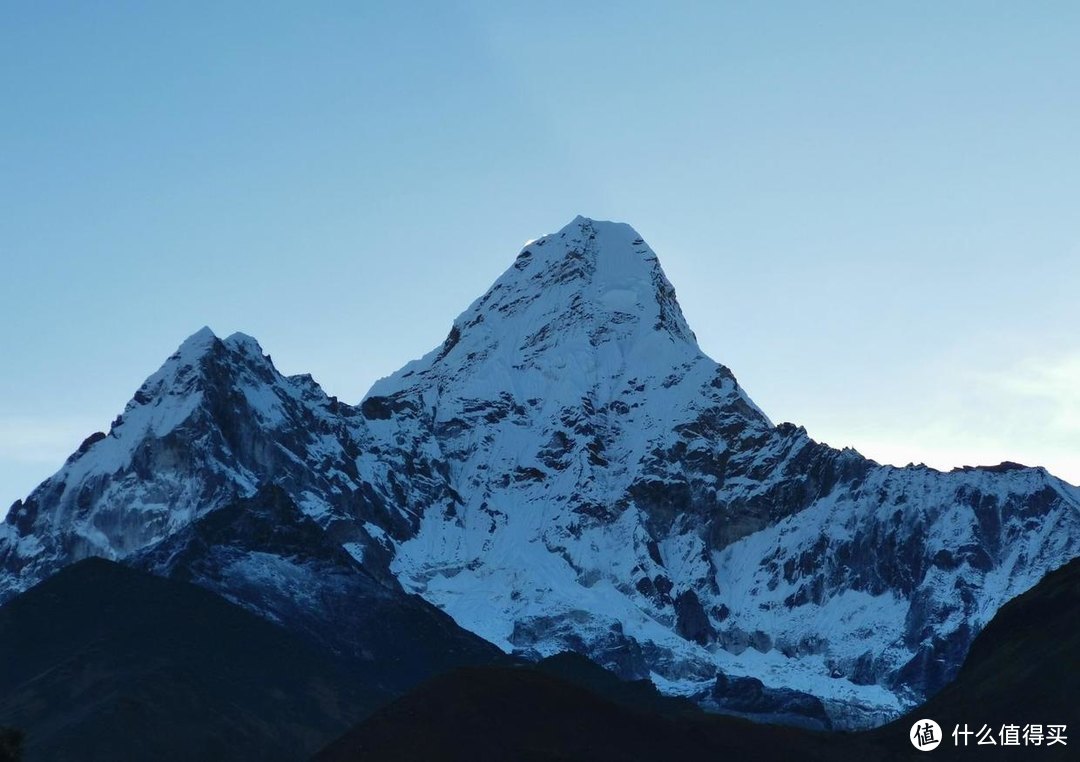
[869,210]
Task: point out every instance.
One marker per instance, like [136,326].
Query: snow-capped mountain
[621,495]
[567,471]
[215,422]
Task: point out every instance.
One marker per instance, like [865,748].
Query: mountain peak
[606,227]
[603,254]
[609,264]
[200,354]
[197,343]
[244,343]
[593,292]
[214,422]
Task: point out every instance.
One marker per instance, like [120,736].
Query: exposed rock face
[691,621]
[216,422]
[264,554]
[569,471]
[749,697]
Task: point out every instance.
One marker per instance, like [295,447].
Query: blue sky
[869,211]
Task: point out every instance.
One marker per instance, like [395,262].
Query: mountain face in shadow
[117,664]
[529,714]
[1022,670]
[102,662]
[265,554]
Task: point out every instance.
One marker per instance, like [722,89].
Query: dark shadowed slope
[523,713]
[1023,669]
[101,662]
[266,555]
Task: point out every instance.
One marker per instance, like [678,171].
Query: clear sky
[869,210]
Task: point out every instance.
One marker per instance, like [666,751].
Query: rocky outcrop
[748,697]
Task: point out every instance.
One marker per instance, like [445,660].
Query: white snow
[569,401]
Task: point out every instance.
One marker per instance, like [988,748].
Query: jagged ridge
[569,470]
